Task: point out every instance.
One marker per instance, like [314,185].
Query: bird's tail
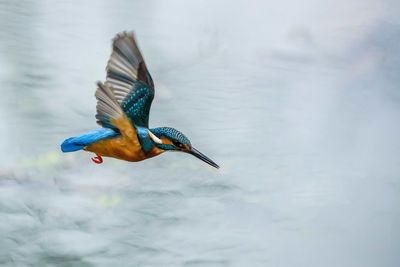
[71,145]
[80,142]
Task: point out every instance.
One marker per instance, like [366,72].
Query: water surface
[297,101]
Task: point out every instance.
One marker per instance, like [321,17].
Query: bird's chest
[121,148]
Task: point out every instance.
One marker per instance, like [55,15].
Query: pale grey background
[298,101]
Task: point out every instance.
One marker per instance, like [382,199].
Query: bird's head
[170,139]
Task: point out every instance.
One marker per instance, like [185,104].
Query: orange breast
[118,148]
[126,146]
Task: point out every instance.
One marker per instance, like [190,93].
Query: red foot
[97,160]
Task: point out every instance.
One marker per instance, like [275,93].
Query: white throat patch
[154,138]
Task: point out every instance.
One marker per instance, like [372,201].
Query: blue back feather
[77,143]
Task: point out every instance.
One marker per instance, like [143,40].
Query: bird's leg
[98,159]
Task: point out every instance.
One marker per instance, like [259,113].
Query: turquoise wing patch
[137,104]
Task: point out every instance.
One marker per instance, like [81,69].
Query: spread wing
[129,82]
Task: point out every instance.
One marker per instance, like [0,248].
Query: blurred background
[298,101]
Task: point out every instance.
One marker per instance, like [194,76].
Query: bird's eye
[177,144]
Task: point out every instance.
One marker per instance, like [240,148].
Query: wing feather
[107,107]
[126,65]
[129,79]
[128,89]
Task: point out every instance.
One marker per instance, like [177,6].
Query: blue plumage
[137,104]
[78,143]
[145,141]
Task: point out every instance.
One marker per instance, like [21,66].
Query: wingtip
[122,35]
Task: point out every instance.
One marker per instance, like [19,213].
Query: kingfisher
[123,106]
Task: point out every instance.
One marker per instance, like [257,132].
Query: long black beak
[203,157]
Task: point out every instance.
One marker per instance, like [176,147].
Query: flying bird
[123,107]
